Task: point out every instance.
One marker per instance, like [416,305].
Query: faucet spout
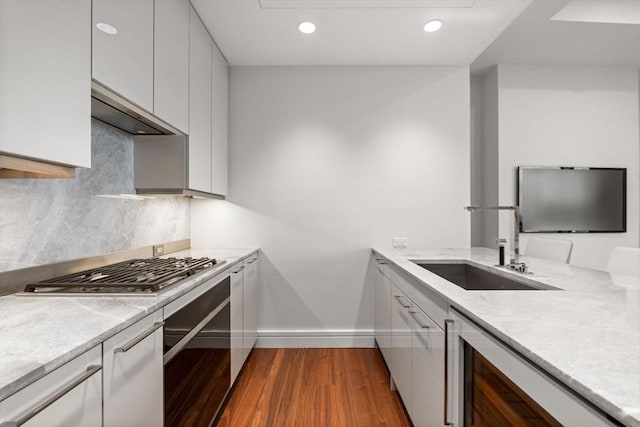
[515,236]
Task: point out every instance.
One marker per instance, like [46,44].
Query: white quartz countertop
[586,334]
[40,333]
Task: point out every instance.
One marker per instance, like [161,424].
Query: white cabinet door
[69,396]
[199,105]
[219,133]
[45,84]
[236,321]
[171,62]
[133,375]
[250,306]
[400,366]
[382,309]
[124,61]
[427,367]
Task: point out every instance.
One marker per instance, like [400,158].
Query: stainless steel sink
[475,279]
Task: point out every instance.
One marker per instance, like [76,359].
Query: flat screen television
[572,199]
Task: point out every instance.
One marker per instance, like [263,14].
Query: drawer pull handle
[252,261]
[420,323]
[132,343]
[399,298]
[89,372]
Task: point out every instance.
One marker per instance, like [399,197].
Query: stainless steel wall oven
[197,371]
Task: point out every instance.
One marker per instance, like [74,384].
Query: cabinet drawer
[434,306]
[69,396]
[133,375]
[401,344]
[236,320]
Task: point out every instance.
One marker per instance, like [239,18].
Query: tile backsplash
[50,220]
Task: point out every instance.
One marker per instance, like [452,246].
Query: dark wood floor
[314,387]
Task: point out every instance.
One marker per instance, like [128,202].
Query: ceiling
[355,32]
[562,32]
[389,32]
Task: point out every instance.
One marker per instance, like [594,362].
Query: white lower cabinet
[133,375]
[401,344]
[382,308]
[250,306]
[69,396]
[414,349]
[237,358]
[427,364]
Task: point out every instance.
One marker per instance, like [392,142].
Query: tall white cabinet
[200,48]
[124,61]
[219,118]
[171,62]
[45,80]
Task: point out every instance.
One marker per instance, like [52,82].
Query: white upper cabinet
[171,62]
[124,61]
[45,84]
[199,105]
[219,108]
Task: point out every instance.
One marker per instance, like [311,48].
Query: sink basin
[475,279]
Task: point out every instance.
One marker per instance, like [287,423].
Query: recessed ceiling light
[306,27]
[106,28]
[433,25]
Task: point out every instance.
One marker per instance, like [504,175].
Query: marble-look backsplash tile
[44,221]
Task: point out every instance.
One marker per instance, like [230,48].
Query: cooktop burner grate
[138,275]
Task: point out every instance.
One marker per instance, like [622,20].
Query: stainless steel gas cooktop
[136,277]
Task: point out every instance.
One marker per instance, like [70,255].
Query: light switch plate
[399,242]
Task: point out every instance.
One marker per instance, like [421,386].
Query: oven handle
[184,340]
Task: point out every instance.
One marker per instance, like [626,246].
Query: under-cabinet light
[125,196]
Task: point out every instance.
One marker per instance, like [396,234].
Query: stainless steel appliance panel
[197,374]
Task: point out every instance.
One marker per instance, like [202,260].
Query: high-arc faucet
[514,262]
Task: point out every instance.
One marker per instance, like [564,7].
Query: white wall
[570,116]
[326,162]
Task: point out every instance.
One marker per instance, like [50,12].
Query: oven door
[197,370]
[494,386]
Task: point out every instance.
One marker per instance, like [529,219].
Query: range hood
[161,152]
[115,110]
[161,166]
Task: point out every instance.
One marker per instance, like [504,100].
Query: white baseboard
[313,338]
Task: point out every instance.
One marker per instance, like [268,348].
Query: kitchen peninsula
[582,328]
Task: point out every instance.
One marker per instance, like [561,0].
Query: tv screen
[572,200]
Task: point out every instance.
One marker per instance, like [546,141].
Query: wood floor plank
[314,388]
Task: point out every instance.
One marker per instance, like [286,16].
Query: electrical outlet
[399,242]
[158,250]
